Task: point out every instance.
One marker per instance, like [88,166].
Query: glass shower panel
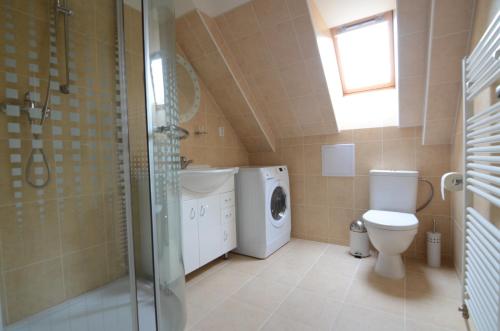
[163,146]
[64,198]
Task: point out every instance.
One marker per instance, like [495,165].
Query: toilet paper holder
[451,181]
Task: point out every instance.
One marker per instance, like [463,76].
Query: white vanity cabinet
[208,225]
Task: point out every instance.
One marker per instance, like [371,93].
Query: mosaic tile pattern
[79,215]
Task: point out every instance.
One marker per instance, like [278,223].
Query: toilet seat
[390,220]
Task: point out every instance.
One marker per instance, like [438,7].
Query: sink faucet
[185,162]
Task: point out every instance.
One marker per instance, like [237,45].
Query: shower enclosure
[89,154]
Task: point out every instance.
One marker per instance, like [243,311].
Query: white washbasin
[205,180]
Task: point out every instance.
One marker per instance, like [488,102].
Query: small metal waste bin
[359,242]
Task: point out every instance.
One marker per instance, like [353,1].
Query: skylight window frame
[387,16]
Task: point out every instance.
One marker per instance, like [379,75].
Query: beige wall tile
[295,80]
[317,222]
[293,157]
[411,100]
[338,227]
[453,16]
[283,43]
[271,12]
[348,198]
[305,33]
[340,192]
[444,101]
[298,194]
[368,156]
[85,270]
[34,288]
[299,221]
[362,192]
[316,191]
[433,160]
[399,154]
[413,16]
[312,159]
[413,54]
[446,56]
[34,239]
[297,7]
[241,22]
[364,135]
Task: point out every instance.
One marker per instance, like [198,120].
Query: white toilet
[390,222]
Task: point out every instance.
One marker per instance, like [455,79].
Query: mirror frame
[185,116]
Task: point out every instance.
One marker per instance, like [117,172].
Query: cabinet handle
[202,211]
[192,215]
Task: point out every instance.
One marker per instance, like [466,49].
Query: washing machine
[263,213]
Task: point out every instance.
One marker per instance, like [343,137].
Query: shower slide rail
[481,258]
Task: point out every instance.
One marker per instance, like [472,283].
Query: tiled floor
[309,285]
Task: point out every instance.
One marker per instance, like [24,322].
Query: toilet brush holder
[434,249]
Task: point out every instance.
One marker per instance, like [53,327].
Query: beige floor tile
[206,271]
[308,285]
[246,264]
[195,313]
[337,260]
[435,282]
[225,281]
[279,323]
[309,308]
[356,318]
[283,272]
[439,311]
[326,283]
[204,296]
[375,292]
[263,293]
[411,325]
[233,315]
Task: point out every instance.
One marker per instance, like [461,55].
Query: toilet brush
[434,247]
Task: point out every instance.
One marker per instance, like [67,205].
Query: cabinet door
[229,229]
[209,227]
[190,237]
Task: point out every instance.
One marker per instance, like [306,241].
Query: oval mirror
[188,90]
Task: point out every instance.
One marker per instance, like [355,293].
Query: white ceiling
[211,7]
[338,12]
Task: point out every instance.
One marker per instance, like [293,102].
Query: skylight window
[365,54]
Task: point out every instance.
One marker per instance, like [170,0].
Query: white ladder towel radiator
[481,261]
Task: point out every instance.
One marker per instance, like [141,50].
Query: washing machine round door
[278,205]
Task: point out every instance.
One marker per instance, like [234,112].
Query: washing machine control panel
[270,173]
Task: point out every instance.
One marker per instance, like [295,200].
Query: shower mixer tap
[61,8]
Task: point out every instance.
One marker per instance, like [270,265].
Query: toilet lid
[390,220]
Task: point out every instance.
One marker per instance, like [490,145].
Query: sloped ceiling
[261,62]
[198,36]
[271,51]
[413,30]
[448,44]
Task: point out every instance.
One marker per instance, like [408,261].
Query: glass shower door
[163,153]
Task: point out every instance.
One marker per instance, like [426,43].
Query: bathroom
[249,165]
